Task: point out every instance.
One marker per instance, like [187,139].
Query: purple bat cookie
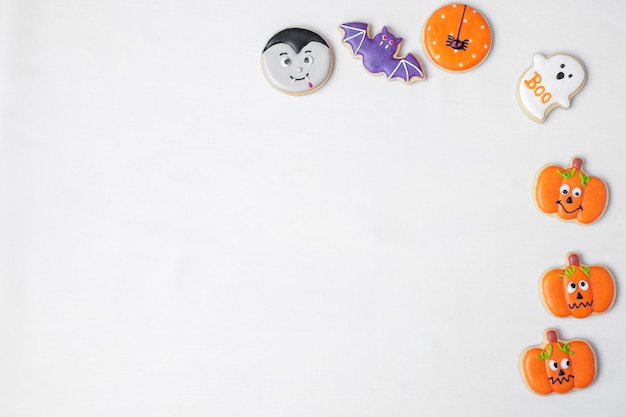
[379,52]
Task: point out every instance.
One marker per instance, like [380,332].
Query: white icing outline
[404,64]
[359,33]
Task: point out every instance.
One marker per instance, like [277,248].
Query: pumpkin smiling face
[558,366]
[570,194]
[577,290]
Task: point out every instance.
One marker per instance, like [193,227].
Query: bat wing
[354,34]
[407,68]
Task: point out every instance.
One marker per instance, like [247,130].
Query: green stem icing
[569,271]
[585,270]
[565,347]
[566,174]
[545,354]
[584,179]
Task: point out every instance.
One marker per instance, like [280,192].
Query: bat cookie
[380,54]
[297,61]
[457,37]
[558,366]
[577,290]
[550,82]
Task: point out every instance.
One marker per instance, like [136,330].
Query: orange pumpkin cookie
[577,290]
[570,194]
[558,366]
[457,37]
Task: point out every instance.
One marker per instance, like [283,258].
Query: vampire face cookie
[457,37]
[550,82]
[297,61]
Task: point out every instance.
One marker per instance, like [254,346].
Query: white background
[178,238]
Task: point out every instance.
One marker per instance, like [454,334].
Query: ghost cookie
[558,366]
[457,37]
[297,61]
[577,290]
[550,82]
[570,193]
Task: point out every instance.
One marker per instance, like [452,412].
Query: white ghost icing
[550,82]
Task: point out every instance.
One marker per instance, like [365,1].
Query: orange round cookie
[457,37]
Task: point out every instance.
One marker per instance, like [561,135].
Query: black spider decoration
[457,43]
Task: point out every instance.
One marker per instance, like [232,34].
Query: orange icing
[558,366]
[457,37]
[577,290]
[570,194]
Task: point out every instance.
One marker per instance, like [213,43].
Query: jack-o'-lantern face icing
[570,194]
[297,61]
[577,290]
[558,366]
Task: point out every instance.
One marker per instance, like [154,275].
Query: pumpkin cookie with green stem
[577,290]
[558,366]
[570,194]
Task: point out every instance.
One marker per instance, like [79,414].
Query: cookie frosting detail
[457,37]
[558,366]
[297,61]
[381,54]
[577,290]
[570,193]
[550,82]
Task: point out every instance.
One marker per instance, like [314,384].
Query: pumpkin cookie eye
[571,287]
[577,192]
[583,285]
[564,189]
[564,363]
[553,365]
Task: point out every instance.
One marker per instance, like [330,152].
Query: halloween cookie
[550,82]
[297,61]
[381,54]
[577,290]
[570,194]
[558,366]
[457,37]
